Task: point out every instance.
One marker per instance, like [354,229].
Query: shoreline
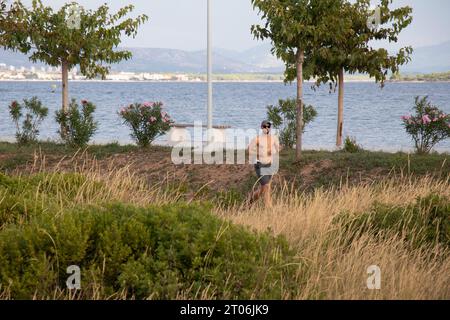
[214,81]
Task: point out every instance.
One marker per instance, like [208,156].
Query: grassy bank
[135,239]
[228,182]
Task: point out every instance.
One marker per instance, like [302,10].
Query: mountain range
[428,59]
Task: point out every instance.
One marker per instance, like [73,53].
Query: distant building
[182,77]
[154,77]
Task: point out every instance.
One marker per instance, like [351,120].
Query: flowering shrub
[27,131]
[79,125]
[147,121]
[428,126]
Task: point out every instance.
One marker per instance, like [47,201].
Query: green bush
[351,146]
[284,118]
[154,251]
[24,197]
[77,126]
[425,222]
[27,131]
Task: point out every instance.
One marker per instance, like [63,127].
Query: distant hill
[255,60]
[430,59]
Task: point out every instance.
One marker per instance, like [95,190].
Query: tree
[295,28]
[350,50]
[50,36]
[10,29]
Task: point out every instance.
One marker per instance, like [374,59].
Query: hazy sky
[181,24]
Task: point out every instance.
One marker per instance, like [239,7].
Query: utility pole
[210,86]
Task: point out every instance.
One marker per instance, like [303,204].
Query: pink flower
[122,111]
[148,104]
[84,101]
[163,114]
[152,119]
[426,119]
[406,118]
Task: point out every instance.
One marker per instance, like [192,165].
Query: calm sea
[372,114]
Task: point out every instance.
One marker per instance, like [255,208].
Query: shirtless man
[264,148]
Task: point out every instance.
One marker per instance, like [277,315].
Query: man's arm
[251,151]
[276,144]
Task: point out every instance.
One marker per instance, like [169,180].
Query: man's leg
[256,195]
[267,192]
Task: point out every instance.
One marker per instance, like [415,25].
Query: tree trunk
[340,125]
[65,91]
[299,127]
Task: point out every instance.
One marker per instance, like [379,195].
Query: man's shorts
[263,179]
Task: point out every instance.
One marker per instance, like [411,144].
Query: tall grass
[335,264]
[330,262]
[117,182]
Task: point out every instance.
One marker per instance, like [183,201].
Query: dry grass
[333,271]
[327,269]
[110,183]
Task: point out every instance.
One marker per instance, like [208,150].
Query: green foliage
[147,121]
[79,124]
[296,26]
[156,252]
[426,222]
[351,146]
[25,197]
[428,126]
[230,198]
[349,46]
[50,37]
[52,40]
[33,113]
[283,118]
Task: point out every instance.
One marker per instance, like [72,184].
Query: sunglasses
[266,127]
